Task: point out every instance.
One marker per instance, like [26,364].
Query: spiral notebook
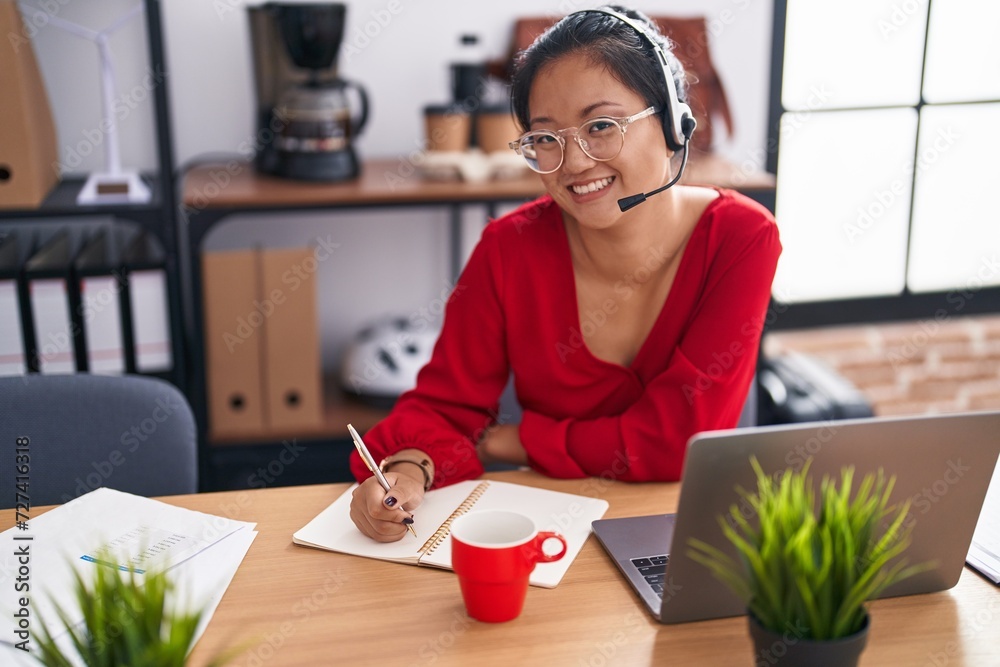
[565,513]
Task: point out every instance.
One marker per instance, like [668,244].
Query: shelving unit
[158,217]
[206,202]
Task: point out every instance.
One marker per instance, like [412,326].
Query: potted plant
[128,620]
[806,566]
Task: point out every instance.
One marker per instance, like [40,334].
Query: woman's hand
[376,512]
[502,444]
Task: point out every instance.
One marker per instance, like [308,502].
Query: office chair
[131,433]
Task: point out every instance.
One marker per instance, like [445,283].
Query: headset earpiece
[678,120]
[688,125]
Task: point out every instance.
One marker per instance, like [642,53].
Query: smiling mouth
[593,186]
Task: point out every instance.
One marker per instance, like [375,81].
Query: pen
[366,456]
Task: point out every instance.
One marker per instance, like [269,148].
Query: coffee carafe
[306,120]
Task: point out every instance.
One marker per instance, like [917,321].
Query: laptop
[943,463]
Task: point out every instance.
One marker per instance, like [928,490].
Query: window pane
[843,203]
[853,53]
[963,51]
[956,226]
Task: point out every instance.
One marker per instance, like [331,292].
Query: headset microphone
[678,120]
[625,203]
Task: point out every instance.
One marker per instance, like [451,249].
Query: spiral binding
[438,537]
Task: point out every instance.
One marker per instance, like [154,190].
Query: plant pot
[789,649]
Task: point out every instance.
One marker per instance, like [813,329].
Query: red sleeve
[458,390]
[702,388]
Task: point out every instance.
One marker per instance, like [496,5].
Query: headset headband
[677,127]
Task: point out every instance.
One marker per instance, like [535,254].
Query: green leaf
[808,559]
[128,619]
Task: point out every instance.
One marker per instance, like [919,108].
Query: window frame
[906,305]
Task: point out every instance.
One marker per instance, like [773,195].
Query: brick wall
[920,367]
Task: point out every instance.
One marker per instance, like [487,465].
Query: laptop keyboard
[654,570]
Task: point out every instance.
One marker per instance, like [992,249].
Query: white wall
[388,261]
[405,65]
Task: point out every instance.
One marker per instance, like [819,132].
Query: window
[886,114]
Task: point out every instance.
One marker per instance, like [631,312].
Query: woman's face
[574,89]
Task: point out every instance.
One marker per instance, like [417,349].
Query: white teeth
[592,187]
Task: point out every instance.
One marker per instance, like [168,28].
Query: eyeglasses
[600,138]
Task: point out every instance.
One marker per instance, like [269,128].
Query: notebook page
[333,529]
[564,513]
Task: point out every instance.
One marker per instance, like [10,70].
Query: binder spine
[13,360]
[125,306]
[31,356]
[78,333]
[442,533]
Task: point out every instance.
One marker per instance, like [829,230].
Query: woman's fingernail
[390,501]
[408,520]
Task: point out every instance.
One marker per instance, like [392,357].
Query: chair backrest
[132,433]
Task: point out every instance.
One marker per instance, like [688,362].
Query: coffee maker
[305,121]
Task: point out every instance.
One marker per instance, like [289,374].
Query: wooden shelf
[237,185]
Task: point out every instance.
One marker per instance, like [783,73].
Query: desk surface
[386,182]
[292,605]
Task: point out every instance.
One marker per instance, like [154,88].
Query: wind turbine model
[115,185]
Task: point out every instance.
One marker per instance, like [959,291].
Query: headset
[678,121]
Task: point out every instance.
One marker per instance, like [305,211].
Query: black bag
[797,388]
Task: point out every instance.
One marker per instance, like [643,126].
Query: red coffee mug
[493,552]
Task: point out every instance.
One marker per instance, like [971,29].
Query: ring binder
[15,322]
[148,308]
[100,323]
[52,302]
[233,349]
[28,145]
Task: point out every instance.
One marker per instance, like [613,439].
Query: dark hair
[610,43]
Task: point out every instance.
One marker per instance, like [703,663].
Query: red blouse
[514,309]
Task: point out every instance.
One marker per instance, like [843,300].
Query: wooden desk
[293,605]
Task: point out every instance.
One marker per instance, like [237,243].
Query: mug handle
[540,556]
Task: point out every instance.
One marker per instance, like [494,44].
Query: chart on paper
[143,548]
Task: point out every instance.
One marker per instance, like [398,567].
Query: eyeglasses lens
[602,139]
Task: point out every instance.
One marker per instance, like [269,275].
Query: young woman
[626,332]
